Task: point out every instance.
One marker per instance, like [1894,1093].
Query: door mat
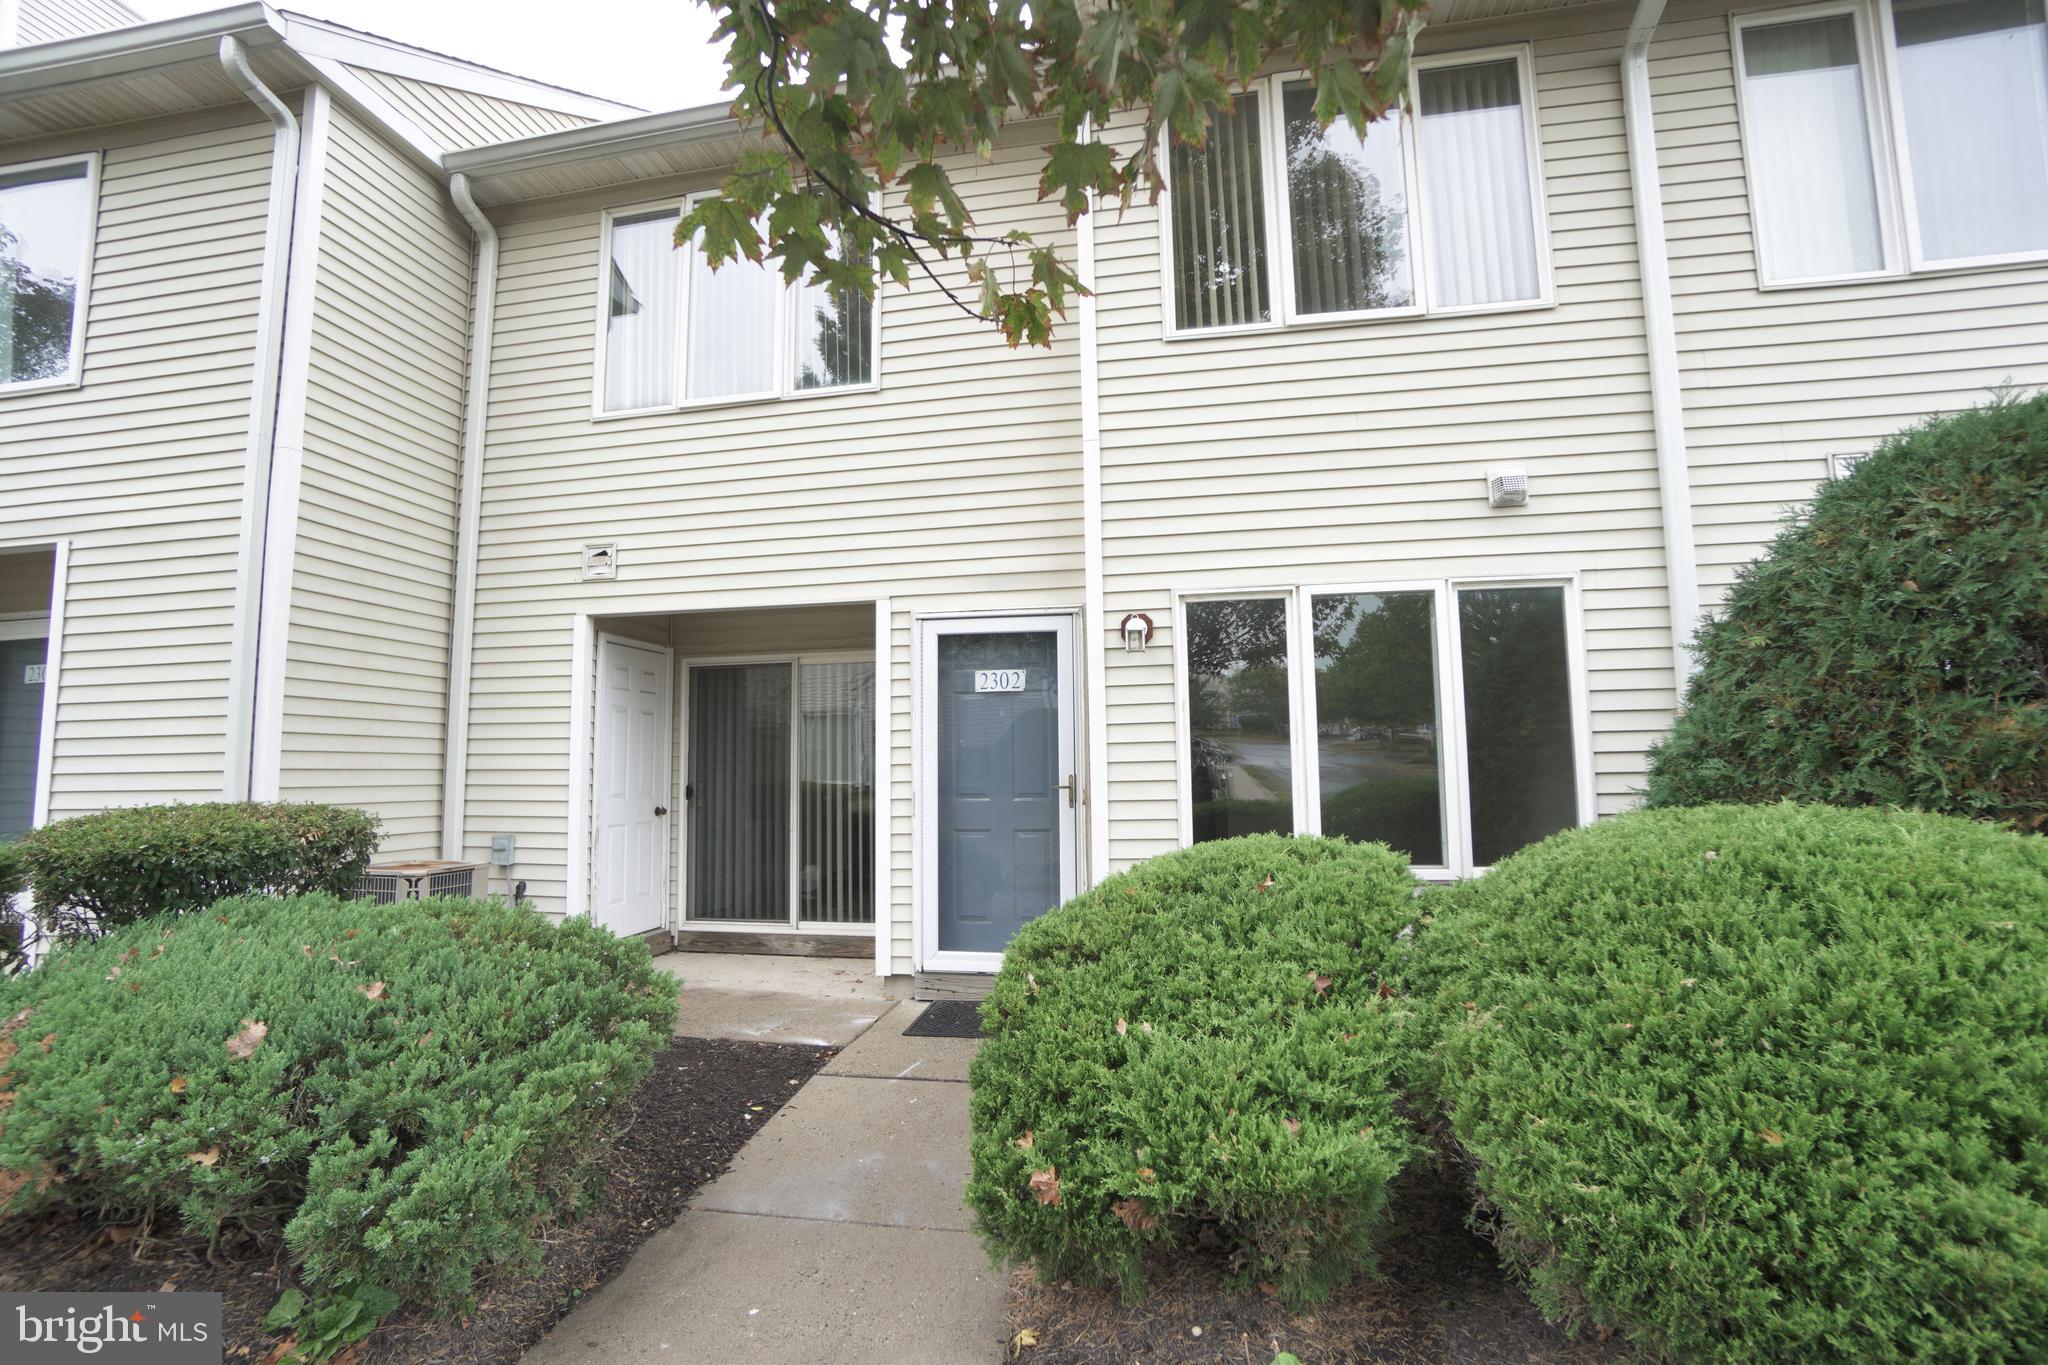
[947,1019]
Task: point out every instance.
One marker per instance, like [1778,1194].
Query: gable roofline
[321,47]
[620,137]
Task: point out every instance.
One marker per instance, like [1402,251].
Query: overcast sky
[653,53]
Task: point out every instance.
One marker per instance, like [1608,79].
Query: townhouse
[1376,489]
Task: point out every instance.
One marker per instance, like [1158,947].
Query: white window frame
[1452,750]
[1268,92]
[784,388]
[1884,113]
[74,367]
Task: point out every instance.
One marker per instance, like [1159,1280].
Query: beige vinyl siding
[459,119]
[141,466]
[954,487]
[46,21]
[1356,453]
[1777,380]
[366,675]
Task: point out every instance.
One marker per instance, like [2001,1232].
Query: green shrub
[405,1090]
[1892,648]
[1199,1043]
[11,928]
[92,873]
[1761,1083]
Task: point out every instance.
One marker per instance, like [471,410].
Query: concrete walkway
[839,1234]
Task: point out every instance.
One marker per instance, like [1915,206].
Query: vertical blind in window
[1973,82]
[730,350]
[836,798]
[641,313]
[1479,219]
[739,799]
[1347,205]
[834,336]
[1809,149]
[1219,224]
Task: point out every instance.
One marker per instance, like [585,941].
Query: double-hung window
[676,333]
[1441,718]
[1275,220]
[1890,135]
[46,228]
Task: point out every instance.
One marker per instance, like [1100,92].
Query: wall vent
[1507,487]
[387,883]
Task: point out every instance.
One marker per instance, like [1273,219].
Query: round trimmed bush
[1199,1043]
[1760,1083]
[92,873]
[405,1090]
[1892,648]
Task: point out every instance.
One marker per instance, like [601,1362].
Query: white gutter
[455,777]
[1093,626]
[1667,397]
[263,398]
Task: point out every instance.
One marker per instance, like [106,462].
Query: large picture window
[1442,719]
[1891,135]
[46,213]
[1276,220]
[677,333]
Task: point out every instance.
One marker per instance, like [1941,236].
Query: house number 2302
[999,680]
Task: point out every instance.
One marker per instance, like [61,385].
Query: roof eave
[122,52]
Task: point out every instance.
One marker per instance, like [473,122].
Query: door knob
[661,810]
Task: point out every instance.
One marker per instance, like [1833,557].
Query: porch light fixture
[1137,629]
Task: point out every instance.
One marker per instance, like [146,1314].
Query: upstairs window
[1275,220]
[45,256]
[677,333]
[1912,135]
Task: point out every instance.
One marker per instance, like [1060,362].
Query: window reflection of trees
[1349,228]
[35,317]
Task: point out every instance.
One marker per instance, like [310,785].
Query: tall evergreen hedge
[1760,1083]
[1892,648]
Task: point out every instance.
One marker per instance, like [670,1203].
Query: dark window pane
[1518,717]
[1219,224]
[1241,765]
[1348,202]
[1376,721]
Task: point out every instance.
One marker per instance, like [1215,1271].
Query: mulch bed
[1444,1300]
[701,1102]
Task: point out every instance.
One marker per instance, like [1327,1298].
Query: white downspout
[1667,397]
[263,397]
[1093,626]
[455,777]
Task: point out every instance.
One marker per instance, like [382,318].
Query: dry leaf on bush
[1025,1141]
[177,1085]
[206,1157]
[1045,1185]
[1134,1216]
[245,1043]
[374,991]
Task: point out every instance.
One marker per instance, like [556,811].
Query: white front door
[632,778]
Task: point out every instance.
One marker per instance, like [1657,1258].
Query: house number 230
[999,680]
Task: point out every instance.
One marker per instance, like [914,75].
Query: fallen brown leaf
[177,1085]
[207,1157]
[245,1043]
[1320,981]
[47,1040]
[1771,1136]
[119,1235]
[1025,1141]
[1122,1028]
[374,991]
[1293,1125]
[1045,1186]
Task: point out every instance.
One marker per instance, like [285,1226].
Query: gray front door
[1003,796]
[21,731]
